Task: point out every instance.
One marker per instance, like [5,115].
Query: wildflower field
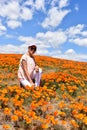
[59,104]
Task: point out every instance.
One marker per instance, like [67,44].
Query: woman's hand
[36,68]
[32,84]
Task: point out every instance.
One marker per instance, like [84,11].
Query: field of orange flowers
[59,104]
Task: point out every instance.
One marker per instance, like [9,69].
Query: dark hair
[33,48]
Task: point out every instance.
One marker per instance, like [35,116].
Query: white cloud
[27,40]
[54,39]
[26,14]
[44,52]
[54,17]
[46,41]
[40,44]
[80,41]
[55,53]
[75,30]
[56,13]
[77,7]
[36,5]
[23,48]
[36,41]
[9,36]
[60,3]
[84,33]
[76,57]
[54,2]
[15,12]
[77,35]
[63,3]
[10,9]
[70,54]
[2,28]
[9,48]
[13,24]
[19,10]
[40,4]
[29,3]
[24,10]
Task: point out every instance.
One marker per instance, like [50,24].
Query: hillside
[61,104]
[9,66]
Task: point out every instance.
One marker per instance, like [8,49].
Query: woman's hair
[33,47]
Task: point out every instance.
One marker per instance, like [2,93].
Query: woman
[28,69]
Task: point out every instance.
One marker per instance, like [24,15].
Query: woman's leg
[37,77]
[25,83]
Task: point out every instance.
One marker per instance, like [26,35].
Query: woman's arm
[36,66]
[24,66]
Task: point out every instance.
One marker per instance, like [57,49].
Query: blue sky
[57,27]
